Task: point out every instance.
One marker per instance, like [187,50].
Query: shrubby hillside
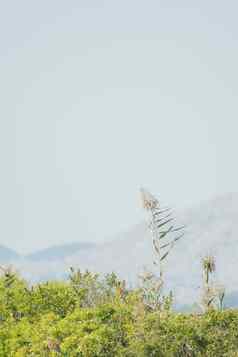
[90,316]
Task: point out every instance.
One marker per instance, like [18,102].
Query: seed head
[209,264]
[148,200]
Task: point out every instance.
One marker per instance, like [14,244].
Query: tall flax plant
[163,229]
[212,293]
[208,294]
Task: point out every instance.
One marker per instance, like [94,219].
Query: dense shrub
[89,316]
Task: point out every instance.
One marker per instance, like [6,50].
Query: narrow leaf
[165,245]
[179,237]
[164,233]
[178,228]
[164,223]
[164,256]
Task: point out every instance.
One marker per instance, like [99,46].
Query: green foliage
[90,316]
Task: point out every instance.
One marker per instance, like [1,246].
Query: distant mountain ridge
[56,252]
[59,251]
[7,254]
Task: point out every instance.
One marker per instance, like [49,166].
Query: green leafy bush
[90,316]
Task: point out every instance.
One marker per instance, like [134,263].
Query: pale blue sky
[101,97]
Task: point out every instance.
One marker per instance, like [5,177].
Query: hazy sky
[99,98]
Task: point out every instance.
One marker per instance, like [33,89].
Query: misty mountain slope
[7,255]
[211,228]
[59,251]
